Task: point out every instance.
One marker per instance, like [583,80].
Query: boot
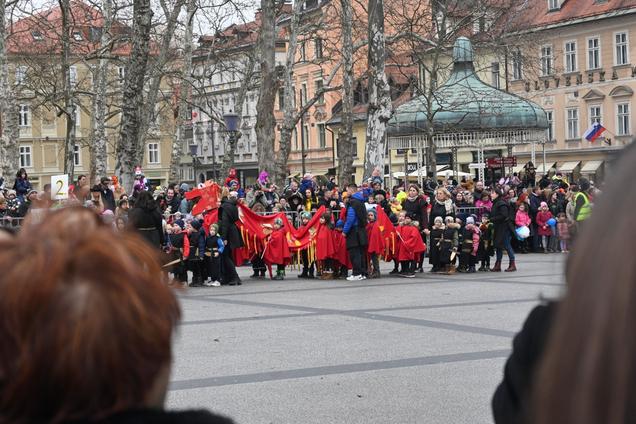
[471,269]
[262,273]
[310,274]
[511,267]
[497,267]
[482,268]
[280,275]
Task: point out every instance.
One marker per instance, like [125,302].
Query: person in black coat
[415,205]
[503,227]
[229,232]
[510,402]
[146,219]
[108,197]
[442,207]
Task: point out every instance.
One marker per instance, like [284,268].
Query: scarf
[448,204]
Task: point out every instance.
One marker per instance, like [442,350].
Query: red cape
[276,249]
[376,240]
[340,244]
[410,244]
[325,248]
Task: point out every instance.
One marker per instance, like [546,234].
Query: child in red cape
[376,243]
[325,249]
[341,256]
[277,250]
[308,264]
[410,245]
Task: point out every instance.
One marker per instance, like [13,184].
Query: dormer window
[37,35]
[553,5]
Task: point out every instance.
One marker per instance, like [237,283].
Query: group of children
[548,228]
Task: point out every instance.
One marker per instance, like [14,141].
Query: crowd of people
[460,226]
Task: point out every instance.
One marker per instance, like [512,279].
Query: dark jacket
[108,198]
[21,187]
[510,402]
[148,223]
[161,417]
[228,215]
[500,218]
[417,210]
[438,209]
[356,222]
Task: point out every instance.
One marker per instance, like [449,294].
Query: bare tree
[9,157]
[129,148]
[345,133]
[266,122]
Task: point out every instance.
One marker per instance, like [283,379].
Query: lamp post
[231,126]
[193,152]
[209,132]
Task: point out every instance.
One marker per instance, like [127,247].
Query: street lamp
[193,152]
[231,125]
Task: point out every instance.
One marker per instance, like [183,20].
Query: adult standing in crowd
[108,197]
[501,219]
[582,203]
[22,185]
[416,206]
[442,206]
[229,232]
[356,233]
[145,218]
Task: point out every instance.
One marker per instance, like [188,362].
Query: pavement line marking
[391,309]
[387,318]
[262,377]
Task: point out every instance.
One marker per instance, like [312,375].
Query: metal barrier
[464,212]
[11,222]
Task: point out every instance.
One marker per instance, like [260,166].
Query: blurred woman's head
[588,374]
[86,321]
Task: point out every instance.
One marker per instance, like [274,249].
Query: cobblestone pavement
[389,350]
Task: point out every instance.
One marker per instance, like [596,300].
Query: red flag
[388,235]
[209,197]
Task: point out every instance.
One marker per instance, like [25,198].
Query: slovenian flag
[594,132]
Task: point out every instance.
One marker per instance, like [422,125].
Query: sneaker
[209,283]
[394,271]
[356,278]
[410,275]
[215,284]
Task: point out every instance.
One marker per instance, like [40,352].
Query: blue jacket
[352,220]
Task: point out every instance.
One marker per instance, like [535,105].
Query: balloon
[551,222]
[523,232]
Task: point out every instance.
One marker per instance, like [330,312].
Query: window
[495,74]
[37,35]
[593,53]
[553,5]
[153,152]
[77,159]
[25,157]
[573,124]
[546,60]
[517,72]
[305,136]
[595,115]
[570,56]
[77,36]
[622,49]
[318,48]
[281,99]
[20,74]
[623,119]
[303,52]
[121,73]
[322,136]
[24,118]
[72,73]
[318,86]
[550,130]
[303,94]
[354,146]
[295,137]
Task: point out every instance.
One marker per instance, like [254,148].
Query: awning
[449,173]
[438,168]
[518,168]
[568,166]
[395,175]
[591,166]
[540,170]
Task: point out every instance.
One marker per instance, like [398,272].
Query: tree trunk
[129,148]
[345,133]
[99,154]
[9,155]
[265,120]
[380,108]
[69,106]
[184,93]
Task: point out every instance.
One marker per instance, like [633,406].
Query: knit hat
[196,224]
[278,221]
[544,205]
[449,219]
[438,219]
[470,220]
[305,215]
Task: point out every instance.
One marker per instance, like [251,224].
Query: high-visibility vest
[586,209]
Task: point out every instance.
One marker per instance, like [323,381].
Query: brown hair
[86,320]
[588,374]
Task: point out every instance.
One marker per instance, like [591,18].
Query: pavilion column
[455,163]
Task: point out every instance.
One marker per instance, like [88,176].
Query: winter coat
[500,218]
[543,229]
[522,219]
[511,402]
[487,205]
[356,222]
[563,230]
[228,215]
[417,209]
[148,223]
[438,209]
[22,187]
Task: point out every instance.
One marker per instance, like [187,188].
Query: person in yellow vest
[582,203]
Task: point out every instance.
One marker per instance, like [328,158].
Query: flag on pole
[594,132]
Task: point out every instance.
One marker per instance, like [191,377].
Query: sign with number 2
[59,187]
